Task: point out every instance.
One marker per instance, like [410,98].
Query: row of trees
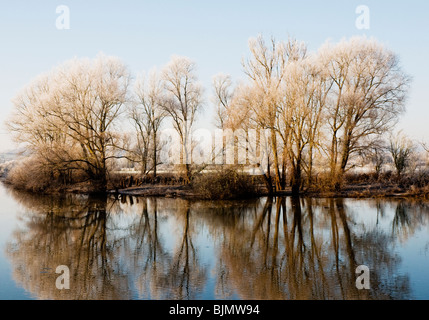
[314,109]
[329,105]
[72,119]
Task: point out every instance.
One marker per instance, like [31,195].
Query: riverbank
[357,190]
[151,190]
[372,190]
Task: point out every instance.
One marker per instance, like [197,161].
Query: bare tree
[240,130]
[301,116]
[367,97]
[231,116]
[148,115]
[182,102]
[266,71]
[224,95]
[69,115]
[401,149]
[377,155]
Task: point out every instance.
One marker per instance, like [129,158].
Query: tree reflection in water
[162,274]
[282,248]
[69,231]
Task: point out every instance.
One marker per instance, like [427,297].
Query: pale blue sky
[213,33]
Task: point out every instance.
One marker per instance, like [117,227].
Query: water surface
[162,248]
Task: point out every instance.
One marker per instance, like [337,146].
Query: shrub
[35,174]
[224,184]
[30,174]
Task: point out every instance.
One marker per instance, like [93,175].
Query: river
[165,248]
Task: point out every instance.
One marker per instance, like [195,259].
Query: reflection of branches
[408,218]
[180,268]
[340,206]
[380,210]
[297,263]
[67,231]
[184,275]
[401,221]
[259,225]
[284,248]
[149,256]
[316,259]
[147,233]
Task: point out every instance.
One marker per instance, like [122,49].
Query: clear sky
[213,33]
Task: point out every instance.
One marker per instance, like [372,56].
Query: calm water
[161,248]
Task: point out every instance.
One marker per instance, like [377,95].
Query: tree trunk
[267,178]
[154,155]
[276,160]
[296,178]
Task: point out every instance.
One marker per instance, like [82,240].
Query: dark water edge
[170,248]
[354,190]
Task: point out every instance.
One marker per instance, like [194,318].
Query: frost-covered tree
[224,94]
[336,102]
[183,99]
[401,149]
[266,71]
[68,116]
[368,94]
[301,116]
[147,115]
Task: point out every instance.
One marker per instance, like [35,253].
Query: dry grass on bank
[225,184]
